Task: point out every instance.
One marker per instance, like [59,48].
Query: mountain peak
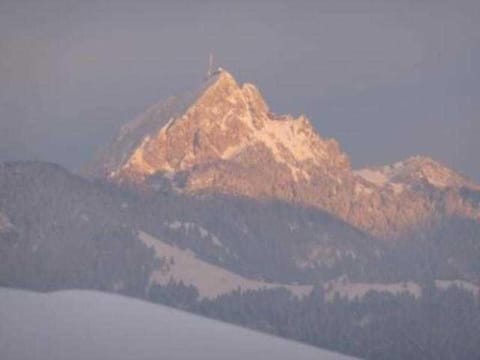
[222,76]
[220,80]
[224,139]
[223,122]
[222,86]
[417,170]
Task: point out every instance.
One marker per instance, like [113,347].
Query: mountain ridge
[226,140]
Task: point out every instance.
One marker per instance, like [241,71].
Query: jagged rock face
[229,123]
[224,139]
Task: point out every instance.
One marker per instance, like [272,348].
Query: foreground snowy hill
[92,325]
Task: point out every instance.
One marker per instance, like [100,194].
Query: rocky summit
[224,139]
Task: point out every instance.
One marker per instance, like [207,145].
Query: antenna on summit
[210,66]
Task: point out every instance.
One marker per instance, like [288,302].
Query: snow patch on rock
[190,228]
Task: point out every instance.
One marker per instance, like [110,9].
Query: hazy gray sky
[388,79]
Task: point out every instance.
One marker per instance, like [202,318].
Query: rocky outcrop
[224,139]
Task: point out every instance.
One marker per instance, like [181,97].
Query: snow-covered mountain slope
[416,171]
[60,230]
[210,280]
[224,139]
[181,265]
[96,326]
[224,120]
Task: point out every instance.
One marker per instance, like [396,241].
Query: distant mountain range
[224,139]
[212,203]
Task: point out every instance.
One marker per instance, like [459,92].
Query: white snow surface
[375,177]
[87,325]
[210,280]
[351,291]
[464,285]
[189,227]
